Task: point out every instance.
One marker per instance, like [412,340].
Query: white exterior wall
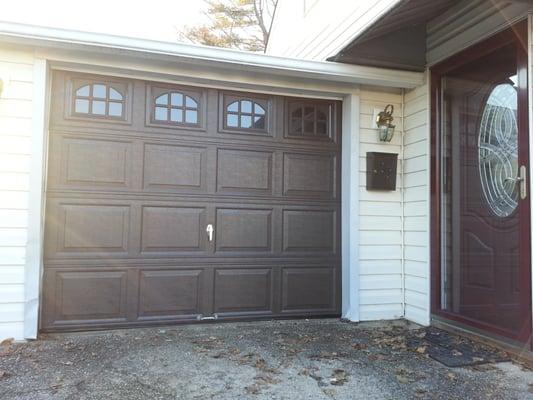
[318,29]
[394,226]
[374,261]
[380,219]
[416,205]
[16,110]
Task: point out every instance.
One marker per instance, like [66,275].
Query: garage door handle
[210,231]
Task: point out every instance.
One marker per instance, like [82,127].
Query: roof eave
[203,55]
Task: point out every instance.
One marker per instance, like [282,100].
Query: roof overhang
[55,43]
[397,39]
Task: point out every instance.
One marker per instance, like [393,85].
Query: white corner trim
[32,271]
[350,207]
[428,205]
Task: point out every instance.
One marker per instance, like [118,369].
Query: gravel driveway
[304,359]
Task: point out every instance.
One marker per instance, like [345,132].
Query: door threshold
[518,351]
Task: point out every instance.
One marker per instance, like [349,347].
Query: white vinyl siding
[380,220]
[320,31]
[469,21]
[16,72]
[416,206]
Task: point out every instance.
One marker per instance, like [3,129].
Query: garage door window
[175,107]
[100,100]
[245,114]
[309,120]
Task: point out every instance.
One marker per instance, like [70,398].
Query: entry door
[484,206]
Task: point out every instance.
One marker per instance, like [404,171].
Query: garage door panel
[310,231]
[174,168]
[173,229]
[243,290]
[309,175]
[170,293]
[80,229]
[308,289]
[87,296]
[244,230]
[90,163]
[244,171]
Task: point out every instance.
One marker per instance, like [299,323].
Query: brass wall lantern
[384,123]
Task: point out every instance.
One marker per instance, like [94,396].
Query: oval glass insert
[498,150]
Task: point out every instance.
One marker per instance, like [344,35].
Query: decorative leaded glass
[498,150]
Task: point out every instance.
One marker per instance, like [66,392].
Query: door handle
[521,179]
[210,231]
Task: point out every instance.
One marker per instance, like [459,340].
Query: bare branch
[241,24]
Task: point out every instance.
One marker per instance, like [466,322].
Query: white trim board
[350,206]
[149,51]
[34,246]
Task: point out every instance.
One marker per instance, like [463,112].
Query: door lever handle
[521,180]
[210,231]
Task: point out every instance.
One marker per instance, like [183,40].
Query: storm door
[481,175]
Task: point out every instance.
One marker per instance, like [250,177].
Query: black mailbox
[381,171]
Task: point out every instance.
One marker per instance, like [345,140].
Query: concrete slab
[304,359]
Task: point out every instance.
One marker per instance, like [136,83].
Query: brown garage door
[139,171]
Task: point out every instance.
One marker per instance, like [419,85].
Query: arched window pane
[114,94]
[258,109]
[176,99]
[190,102]
[83,91]
[163,99]
[234,107]
[99,91]
[246,106]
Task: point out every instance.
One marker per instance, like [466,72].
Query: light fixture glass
[384,124]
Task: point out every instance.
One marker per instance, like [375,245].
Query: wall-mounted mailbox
[381,171]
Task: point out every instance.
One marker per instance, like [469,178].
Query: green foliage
[237,24]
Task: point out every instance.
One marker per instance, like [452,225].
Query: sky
[148,19]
